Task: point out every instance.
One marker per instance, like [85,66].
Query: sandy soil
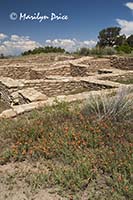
[14,187]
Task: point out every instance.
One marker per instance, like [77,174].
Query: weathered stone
[8,114]
[32,95]
[123,63]
[10,83]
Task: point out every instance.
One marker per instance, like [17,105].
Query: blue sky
[85,19]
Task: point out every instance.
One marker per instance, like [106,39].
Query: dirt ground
[14,187]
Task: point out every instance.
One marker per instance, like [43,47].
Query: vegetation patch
[125,79]
[80,149]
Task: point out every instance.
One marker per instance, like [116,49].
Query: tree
[130,41]
[121,40]
[2,56]
[108,36]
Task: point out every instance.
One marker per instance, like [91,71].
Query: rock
[8,114]
[11,83]
[32,95]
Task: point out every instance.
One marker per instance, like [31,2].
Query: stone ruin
[31,82]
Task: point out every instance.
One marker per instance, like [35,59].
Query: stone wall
[15,72]
[37,74]
[10,88]
[54,87]
[124,63]
[56,71]
[26,72]
[60,87]
[94,85]
[96,64]
[87,67]
[29,71]
[61,71]
[5,94]
[78,70]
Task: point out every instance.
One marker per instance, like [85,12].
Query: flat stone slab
[32,95]
[8,113]
[11,83]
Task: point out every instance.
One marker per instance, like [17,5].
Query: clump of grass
[116,107]
[127,81]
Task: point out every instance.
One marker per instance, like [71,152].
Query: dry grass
[117,107]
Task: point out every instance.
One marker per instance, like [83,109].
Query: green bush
[84,51]
[97,51]
[124,48]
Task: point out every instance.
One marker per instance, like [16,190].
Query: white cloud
[126,26]
[129,5]
[90,43]
[48,41]
[18,38]
[3,36]
[70,44]
[17,44]
[15,37]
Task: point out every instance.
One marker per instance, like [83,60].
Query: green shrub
[124,48]
[84,51]
[97,51]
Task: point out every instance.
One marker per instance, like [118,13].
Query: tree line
[46,49]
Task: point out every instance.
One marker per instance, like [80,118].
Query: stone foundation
[30,70]
[15,72]
[86,68]
[42,73]
[11,90]
[123,63]
[78,70]
[29,82]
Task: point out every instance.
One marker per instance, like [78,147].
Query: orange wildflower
[66,128]
[31,152]
[126,188]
